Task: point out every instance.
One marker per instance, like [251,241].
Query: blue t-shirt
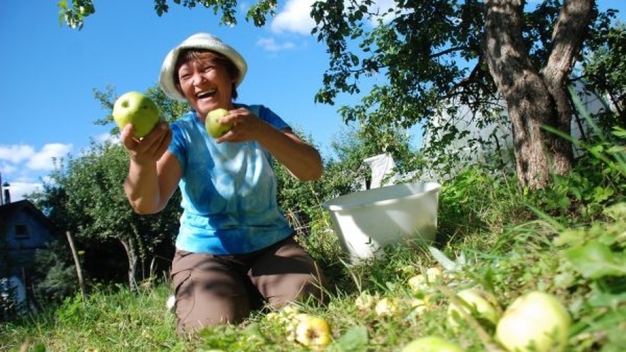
[228,190]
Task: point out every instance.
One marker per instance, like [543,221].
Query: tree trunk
[129,246]
[567,38]
[535,99]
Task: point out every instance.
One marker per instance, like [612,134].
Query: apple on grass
[312,331]
[138,110]
[213,125]
[431,344]
[386,307]
[418,283]
[434,274]
[536,321]
[483,306]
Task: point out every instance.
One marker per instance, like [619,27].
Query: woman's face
[206,85]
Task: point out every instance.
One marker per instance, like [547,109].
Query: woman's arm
[153,173]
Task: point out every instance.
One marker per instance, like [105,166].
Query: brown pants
[224,289]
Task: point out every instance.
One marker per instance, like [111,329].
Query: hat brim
[203,41]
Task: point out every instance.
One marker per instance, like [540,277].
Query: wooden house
[23,230]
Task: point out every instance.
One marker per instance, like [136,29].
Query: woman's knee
[207,294]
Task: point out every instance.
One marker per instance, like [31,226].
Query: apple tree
[435,55]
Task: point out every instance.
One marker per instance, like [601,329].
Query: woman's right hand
[150,148]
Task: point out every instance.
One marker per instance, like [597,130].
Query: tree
[85,196]
[536,96]
[428,53]
[471,52]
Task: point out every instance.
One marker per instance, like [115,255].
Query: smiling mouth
[205,94]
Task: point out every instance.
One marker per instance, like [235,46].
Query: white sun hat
[197,41]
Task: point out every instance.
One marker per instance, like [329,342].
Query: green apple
[480,304]
[138,110]
[431,344]
[536,321]
[213,125]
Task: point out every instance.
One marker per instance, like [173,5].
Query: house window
[21,231]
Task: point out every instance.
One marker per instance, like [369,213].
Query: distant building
[23,230]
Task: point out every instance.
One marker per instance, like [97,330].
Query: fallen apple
[365,301]
[213,125]
[386,307]
[434,274]
[418,283]
[536,321]
[138,110]
[431,344]
[419,305]
[312,331]
[483,306]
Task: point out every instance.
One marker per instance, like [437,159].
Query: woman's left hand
[246,126]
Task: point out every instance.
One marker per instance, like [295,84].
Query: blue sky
[49,72]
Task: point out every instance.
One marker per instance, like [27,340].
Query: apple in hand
[213,125]
[312,331]
[536,321]
[483,306]
[138,110]
[431,344]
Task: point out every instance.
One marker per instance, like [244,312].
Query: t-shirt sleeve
[267,115]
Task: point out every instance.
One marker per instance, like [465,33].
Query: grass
[497,239]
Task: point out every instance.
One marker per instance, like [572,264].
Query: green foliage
[594,263]
[74,16]
[55,274]
[598,179]
[605,71]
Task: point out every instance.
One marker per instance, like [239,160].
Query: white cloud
[23,167]
[270,44]
[18,189]
[295,18]
[16,153]
[8,168]
[43,160]
[107,138]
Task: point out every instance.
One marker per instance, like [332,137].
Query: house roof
[8,210]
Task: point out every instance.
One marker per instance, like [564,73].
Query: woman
[235,249]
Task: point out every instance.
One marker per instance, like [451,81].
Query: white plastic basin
[366,221]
